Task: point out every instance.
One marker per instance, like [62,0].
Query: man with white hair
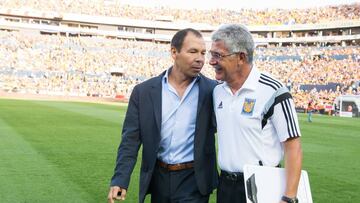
[256,118]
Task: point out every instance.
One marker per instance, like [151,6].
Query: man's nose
[200,58]
[213,62]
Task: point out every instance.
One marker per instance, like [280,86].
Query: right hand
[113,194]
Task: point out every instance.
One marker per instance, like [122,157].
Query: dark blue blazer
[142,125]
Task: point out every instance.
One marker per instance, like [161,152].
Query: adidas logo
[220,105]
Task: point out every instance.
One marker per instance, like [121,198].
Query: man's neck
[239,79]
[179,81]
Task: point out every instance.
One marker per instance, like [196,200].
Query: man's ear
[173,52]
[243,57]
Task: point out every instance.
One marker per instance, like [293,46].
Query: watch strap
[289,200]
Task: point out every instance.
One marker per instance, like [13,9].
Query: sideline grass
[65,152]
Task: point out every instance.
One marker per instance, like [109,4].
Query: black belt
[236,176]
[233,176]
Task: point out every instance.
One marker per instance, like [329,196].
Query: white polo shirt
[253,122]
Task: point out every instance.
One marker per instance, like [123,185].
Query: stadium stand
[213,17]
[45,54]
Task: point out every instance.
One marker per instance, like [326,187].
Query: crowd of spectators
[101,67]
[116,8]
[299,66]
[76,65]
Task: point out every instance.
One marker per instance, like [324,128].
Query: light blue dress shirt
[178,122]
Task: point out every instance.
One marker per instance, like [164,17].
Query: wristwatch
[289,200]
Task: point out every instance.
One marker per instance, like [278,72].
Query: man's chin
[195,73]
[218,77]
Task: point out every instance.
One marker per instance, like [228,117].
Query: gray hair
[237,38]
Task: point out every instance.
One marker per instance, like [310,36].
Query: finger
[114,192]
[118,196]
[110,200]
[123,194]
[110,197]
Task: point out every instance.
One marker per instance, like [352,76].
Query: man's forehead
[194,41]
[218,45]
[192,37]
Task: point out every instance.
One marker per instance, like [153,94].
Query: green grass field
[65,152]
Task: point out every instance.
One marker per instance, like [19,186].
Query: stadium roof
[237,4]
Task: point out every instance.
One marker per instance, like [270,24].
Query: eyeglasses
[217,56]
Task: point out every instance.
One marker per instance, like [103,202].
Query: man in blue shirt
[171,115]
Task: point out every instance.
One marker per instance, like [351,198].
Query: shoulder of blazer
[152,82]
[156,82]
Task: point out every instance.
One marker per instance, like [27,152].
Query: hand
[113,194]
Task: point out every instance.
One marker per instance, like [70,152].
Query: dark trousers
[231,189]
[175,187]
